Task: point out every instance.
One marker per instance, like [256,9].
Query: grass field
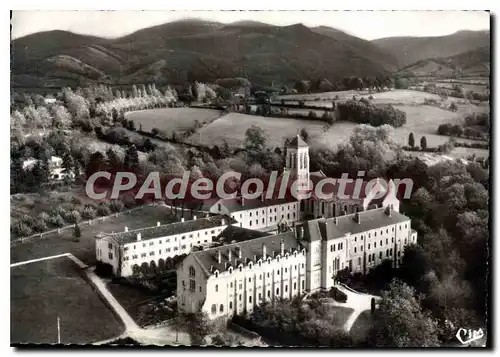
[361,326]
[43,291]
[232,128]
[85,248]
[168,119]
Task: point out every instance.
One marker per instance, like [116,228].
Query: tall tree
[400,321]
[131,161]
[411,140]
[423,142]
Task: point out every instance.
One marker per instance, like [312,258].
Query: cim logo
[466,336]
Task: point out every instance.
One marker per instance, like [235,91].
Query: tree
[302,86]
[199,326]
[68,163]
[113,161]
[400,321]
[453,107]
[96,163]
[76,232]
[255,142]
[131,161]
[401,83]
[411,140]
[423,142]
[62,117]
[415,264]
[304,134]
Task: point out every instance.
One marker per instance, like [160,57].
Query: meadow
[85,249]
[43,291]
[232,128]
[170,119]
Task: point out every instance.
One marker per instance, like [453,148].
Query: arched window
[216,274]
[192,272]
[230,270]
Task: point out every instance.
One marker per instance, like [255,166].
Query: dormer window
[230,270]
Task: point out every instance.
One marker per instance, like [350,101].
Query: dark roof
[297,142]
[337,227]
[251,250]
[241,204]
[239,234]
[171,229]
[308,231]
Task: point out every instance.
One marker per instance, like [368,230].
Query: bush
[73,216]
[39,226]
[22,229]
[103,210]
[59,211]
[44,216]
[56,220]
[88,212]
[370,97]
[116,206]
[28,220]
[338,295]
[312,114]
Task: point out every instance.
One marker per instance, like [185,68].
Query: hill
[409,50]
[474,63]
[189,50]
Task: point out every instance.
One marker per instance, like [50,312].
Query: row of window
[152,253]
[167,240]
[240,297]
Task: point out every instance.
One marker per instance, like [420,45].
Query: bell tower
[297,162]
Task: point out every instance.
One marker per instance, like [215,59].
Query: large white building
[151,248]
[256,214]
[256,267]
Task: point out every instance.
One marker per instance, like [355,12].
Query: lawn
[85,248]
[168,119]
[361,326]
[43,291]
[232,128]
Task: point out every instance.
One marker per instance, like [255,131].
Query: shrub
[103,210]
[56,220]
[22,229]
[116,206]
[76,200]
[88,212]
[338,295]
[39,226]
[59,211]
[44,216]
[370,97]
[73,216]
[312,114]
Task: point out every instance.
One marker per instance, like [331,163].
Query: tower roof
[297,142]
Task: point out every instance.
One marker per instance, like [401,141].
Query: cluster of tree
[476,126]
[364,112]
[411,141]
[456,91]
[295,322]
[346,83]
[65,213]
[197,325]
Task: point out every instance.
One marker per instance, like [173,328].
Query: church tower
[297,163]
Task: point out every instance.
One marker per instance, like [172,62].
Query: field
[311,98]
[232,128]
[85,248]
[43,291]
[169,119]
[361,326]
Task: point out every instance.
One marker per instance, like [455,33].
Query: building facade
[148,249]
[234,278]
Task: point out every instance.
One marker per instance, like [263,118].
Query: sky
[364,24]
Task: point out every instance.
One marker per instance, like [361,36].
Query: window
[221,308]
[296,267]
[110,255]
[110,245]
[239,297]
[303,284]
[260,296]
[387,241]
[338,247]
[250,223]
[231,284]
[214,309]
[143,255]
[199,289]
[192,285]
[381,243]
[268,275]
[230,305]
[355,239]
[374,234]
[359,261]
[125,249]
[250,214]
[268,293]
[249,280]
[144,245]
[392,240]
[368,245]
[302,266]
[361,248]
[399,253]
[286,288]
[250,299]
[369,258]
[294,286]
[176,248]
[241,286]
[151,253]
[277,291]
[285,270]
[380,255]
[216,288]
[159,251]
[354,249]
[361,237]
[332,248]
[374,244]
[278,272]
